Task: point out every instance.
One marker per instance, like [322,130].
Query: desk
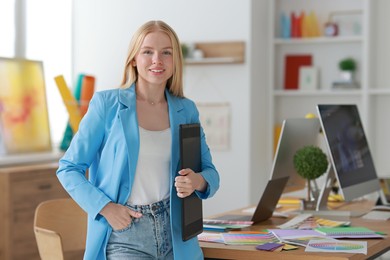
[376,247]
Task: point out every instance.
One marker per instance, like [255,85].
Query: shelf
[216,60]
[331,92]
[219,53]
[379,91]
[319,40]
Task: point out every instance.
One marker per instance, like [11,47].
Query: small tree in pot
[310,162]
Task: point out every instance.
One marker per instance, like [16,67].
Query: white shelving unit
[368,45]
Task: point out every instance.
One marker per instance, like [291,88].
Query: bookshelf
[366,46]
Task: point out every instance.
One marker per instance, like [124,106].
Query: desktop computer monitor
[349,152]
[295,134]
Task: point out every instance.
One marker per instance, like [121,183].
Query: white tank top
[152,176]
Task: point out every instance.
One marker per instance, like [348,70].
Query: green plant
[184,50]
[348,64]
[310,162]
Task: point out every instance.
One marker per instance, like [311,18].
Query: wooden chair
[60,228]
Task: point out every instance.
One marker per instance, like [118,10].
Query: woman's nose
[157,59]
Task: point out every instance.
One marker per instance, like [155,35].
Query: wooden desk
[376,247]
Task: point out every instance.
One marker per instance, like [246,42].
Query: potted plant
[310,162]
[347,67]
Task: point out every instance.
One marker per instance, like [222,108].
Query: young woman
[129,141]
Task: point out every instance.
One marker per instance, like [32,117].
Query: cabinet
[22,188]
[366,44]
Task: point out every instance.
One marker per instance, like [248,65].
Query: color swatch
[337,246]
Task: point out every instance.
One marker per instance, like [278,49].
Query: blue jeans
[148,237]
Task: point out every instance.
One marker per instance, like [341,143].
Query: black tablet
[190,157]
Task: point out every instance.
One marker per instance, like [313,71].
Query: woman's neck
[152,95]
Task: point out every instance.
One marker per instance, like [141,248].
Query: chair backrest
[60,227]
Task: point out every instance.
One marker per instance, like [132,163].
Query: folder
[190,157]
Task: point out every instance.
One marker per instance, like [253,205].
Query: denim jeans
[148,237]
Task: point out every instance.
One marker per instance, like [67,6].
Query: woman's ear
[133,63]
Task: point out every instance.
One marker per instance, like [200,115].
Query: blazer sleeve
[209,172]
[81,153]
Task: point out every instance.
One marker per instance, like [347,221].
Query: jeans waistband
[153,208]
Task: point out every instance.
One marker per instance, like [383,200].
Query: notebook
[190,157]
[348,232]
[266,205]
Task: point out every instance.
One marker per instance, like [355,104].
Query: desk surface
[376,247]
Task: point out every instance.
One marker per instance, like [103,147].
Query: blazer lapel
[176,117]
[128,117]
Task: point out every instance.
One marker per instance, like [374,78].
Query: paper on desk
[274,214]
[378,215]
[252,209]
[337,246]
[295,221]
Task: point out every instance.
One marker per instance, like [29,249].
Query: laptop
[295,133]
[267,204]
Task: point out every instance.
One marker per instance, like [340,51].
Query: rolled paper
[68,133]
[87,91]
[70,102]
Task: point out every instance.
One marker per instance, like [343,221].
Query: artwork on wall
[24,122]
[215,119]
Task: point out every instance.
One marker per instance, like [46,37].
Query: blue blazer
[107,143]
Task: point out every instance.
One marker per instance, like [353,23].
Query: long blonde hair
[130,74]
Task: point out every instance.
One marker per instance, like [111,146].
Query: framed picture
[308,78]
[24,122]
[215,119]
[349,22]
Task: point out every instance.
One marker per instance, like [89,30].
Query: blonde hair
[130,74]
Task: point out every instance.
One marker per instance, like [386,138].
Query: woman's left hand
[188,182]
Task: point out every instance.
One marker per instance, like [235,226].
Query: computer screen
[295,134]
[349,151]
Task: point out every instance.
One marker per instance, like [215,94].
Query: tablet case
[190,157]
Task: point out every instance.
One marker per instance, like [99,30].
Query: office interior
[92,37]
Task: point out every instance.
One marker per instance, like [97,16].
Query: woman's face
[154,61]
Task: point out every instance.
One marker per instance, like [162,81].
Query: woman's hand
[118,216]
[188,182]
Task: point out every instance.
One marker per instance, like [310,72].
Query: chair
[60,228]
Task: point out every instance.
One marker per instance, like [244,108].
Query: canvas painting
[24,123]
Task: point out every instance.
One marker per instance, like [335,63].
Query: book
[225,221]
[330,231]
[348,232]
[291,69]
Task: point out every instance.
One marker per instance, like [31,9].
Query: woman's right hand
[118,216]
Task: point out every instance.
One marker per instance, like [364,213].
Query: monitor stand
[322,209]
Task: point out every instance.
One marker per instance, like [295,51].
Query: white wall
[102,31]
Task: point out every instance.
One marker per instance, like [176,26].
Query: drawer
[28,193]
[26,249]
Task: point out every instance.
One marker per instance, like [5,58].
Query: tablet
[190,157]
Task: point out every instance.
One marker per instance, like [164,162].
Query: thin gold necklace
[141,98]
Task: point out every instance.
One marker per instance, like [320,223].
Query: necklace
[141,98]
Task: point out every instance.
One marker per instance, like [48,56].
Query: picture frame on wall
[215,119]
[308,78]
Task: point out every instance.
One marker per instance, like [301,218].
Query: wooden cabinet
[22,188]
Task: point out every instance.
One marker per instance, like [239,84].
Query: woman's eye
[167,52]
[148,52]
